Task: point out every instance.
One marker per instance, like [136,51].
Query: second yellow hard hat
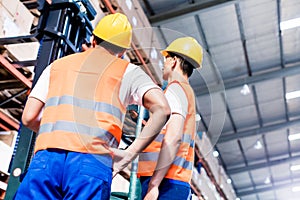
[188,48]
[116,29]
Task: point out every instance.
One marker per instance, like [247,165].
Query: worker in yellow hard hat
[77,108]
[165,167]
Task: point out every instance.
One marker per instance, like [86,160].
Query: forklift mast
[64,25]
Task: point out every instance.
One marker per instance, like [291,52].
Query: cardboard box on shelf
[8,137]
[99,14]
[6,153]
[15,18]
[10,5]
[8,27]
[24,51]
[23,19]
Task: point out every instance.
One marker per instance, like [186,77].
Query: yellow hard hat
[116,29]
[188,48]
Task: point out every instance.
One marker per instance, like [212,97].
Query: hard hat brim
[191,61]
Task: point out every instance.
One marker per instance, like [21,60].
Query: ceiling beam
[188,9]
[282,59]
[148,7]
[262,165]
[278,181]
[268,188]
[255,78]
[259,131]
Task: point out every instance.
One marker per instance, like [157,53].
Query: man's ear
[94,43]
[120,55]
[174,62]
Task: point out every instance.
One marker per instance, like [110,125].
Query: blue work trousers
[60,174]
[168,189]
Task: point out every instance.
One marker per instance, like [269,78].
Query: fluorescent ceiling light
[257,145]
[288,24]
[245,90]
[294,137]
[153,53]
[215,154]
[296,189]
[267,180]
[129,4]
[134,21]
[295,167]
[292,95]
[198,117]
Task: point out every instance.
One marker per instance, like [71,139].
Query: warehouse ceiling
[251,66]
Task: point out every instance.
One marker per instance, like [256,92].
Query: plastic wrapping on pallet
[144,36]
[207,188]
[23,51]
[16,20]
[7,25]
[10,5]
[23,19]
[100,13]
[7,142]
[206,149]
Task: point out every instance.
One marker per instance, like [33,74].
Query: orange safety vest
[83,112]
[181,168]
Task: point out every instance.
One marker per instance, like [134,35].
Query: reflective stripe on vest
[87,104]
[179,161]
[80,128]
[181,167]
[83,112]
[185,138]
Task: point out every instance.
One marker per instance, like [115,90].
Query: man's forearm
[34,126]
[169,149]
[166,157]
[150,131]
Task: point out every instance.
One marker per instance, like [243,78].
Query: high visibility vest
[181,168]
[83,112]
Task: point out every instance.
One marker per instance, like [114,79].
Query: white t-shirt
[177,99]
[135,83]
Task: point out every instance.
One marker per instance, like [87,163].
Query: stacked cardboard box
[7,143]
[206,149]
[16,20]
[144,36]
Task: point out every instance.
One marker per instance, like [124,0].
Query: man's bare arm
[154,100]
[31,116]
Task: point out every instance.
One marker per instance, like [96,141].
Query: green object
[135,188]
[118,196]
[21,161]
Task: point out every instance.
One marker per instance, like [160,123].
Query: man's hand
[152,193]
[122,158]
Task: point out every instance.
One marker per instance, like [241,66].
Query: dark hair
[186,67]
[108,46]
